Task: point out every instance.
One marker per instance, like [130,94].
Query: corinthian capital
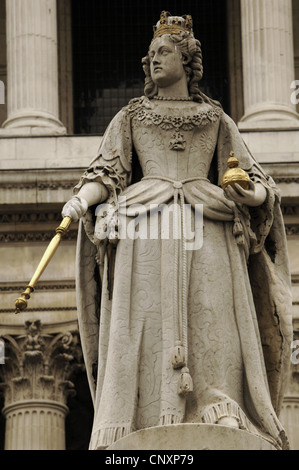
[39,365]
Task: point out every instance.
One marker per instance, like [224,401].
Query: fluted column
[290,408]
[2,93]
[32,68]
[35,383]
[268,64]
[33,425]
[290,419]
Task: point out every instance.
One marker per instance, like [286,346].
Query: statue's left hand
[254,196]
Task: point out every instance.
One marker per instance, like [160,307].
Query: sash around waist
[155,190]
[152,191]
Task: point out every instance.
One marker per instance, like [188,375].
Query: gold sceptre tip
[21,302]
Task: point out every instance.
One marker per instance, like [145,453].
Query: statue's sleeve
[112,166]
[113,163]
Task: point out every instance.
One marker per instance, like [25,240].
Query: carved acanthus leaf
[39,365]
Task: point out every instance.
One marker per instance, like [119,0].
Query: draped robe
[228,302]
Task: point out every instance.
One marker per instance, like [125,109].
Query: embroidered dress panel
[184,145]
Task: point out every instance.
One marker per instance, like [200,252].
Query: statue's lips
[157,69]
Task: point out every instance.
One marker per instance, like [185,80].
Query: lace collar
[142,109]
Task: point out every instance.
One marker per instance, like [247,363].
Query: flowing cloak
[270,326]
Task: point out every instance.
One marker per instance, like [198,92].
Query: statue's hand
[254,196]
[75,208]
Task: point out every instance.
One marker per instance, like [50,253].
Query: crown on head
[172,24]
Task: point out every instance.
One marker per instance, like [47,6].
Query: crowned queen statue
[174,333]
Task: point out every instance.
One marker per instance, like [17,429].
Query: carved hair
[191,50]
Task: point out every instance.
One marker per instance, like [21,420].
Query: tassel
[238,229]
[185,384]
[240,240]
[178,355]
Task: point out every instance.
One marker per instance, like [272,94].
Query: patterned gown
[225,302]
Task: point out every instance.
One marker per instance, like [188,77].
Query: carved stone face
[166,62]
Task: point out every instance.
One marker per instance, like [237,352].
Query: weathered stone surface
[191,437]
[180,327]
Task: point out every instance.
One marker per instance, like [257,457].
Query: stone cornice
[40,185]
[35,187]
[34,236]
[41,286]
[291,229]
[41,309]
[32,226]
[290,210]
[286,179]
[53,320]
[30,217]
[47,153]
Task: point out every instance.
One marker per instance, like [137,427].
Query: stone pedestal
[32,68]
[268,64]
[191,437]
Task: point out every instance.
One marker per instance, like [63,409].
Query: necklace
[166,98]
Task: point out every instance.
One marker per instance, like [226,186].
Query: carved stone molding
[42,309]
[32,226]
[286,179]
[42,286]
[36,236]
[291,219]
[292,229]
[38,365]
[36,382]
[290,210]
[30,217]
[40,185]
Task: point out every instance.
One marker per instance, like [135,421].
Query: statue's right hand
[75,208]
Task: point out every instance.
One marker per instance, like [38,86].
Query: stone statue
[171,332]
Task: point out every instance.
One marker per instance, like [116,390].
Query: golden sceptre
[21,302]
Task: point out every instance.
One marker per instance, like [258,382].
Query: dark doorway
[111,37]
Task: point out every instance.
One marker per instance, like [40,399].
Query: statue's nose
[156,59]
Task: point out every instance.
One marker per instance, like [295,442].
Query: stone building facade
[45,398]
